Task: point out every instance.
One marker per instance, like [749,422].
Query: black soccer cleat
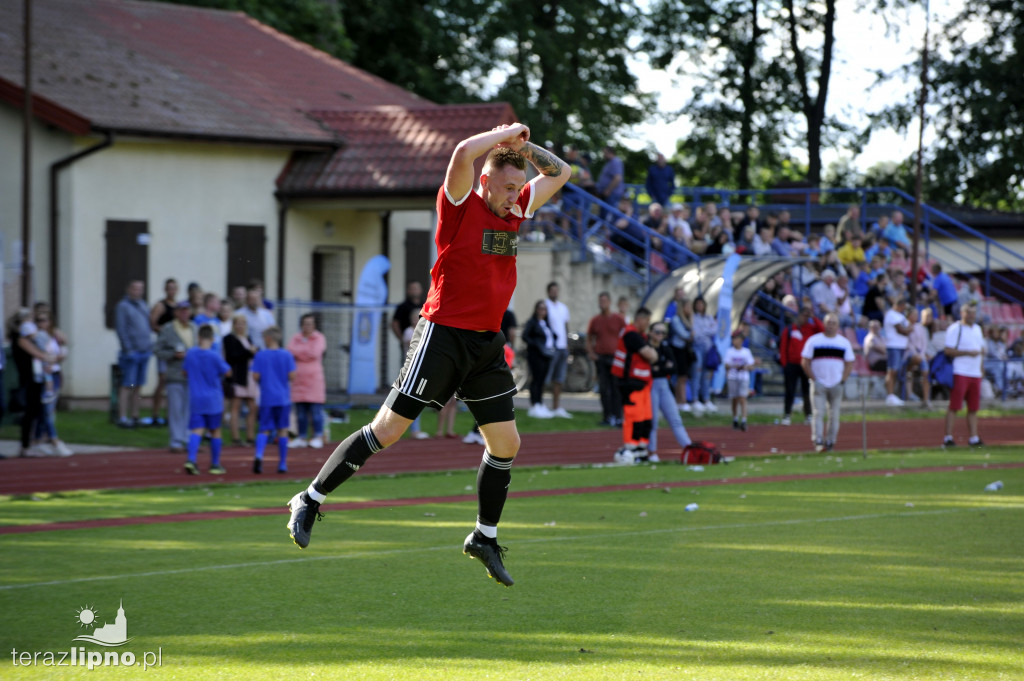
[304,512]
[490,554]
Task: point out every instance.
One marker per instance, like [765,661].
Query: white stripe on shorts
[417,359]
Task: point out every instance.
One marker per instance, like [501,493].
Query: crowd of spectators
[859,268]
[170,327]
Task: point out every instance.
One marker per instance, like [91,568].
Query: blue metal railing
[628,243]
[592,226]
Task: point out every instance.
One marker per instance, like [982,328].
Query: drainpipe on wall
[26,161]
[282,223]
[55,169]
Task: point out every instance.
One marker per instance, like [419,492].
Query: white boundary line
[370,554]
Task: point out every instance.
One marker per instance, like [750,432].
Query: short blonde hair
[499,157]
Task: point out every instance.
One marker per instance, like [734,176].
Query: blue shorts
[894,358]
[275,418]
[559,365]
[133,368]
[207,421]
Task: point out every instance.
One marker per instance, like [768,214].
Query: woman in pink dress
[309,390]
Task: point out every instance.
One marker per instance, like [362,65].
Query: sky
[861,48]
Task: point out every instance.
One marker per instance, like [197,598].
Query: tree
[426,48]
[314,22]
[977,107]
[813,107]
[720,40]
[563,66]
[756,63]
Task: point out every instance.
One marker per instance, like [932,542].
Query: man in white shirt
[916,357]
[897,327]
[965,345]
[827,359]
[257,315]
[558,320]
[679,224]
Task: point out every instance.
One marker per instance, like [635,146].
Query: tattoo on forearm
[542,159]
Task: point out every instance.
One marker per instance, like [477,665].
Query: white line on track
[589,537]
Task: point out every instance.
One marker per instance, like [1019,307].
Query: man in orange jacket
[632,367]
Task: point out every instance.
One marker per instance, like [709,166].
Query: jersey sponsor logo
[499,242]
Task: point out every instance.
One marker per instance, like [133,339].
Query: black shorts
[684,360]
[445,361]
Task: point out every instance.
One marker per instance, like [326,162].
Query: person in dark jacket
[239,352]
[540,348]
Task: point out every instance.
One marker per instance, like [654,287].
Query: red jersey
[473,279]
[793,337]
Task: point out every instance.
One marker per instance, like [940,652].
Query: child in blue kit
[204,368]
[273,369]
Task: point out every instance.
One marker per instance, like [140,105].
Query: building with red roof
[199,144]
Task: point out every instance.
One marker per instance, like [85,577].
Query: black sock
[492,480]
[347,458]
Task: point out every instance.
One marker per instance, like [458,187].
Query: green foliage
[976,106]
[563,66]
[761,69]
[422,47]
[314,22]
[753,86]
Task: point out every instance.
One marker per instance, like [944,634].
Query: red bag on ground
[701,453]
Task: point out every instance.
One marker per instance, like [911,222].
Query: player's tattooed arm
[543,160]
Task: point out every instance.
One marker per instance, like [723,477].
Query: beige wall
[969,255]
[188,194]
[360,229]
[47,146]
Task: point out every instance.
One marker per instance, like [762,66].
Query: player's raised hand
[517,135]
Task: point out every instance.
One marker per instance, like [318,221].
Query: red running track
[160,468]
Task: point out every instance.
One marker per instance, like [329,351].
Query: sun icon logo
[87,616]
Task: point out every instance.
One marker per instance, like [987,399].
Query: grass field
[905,576]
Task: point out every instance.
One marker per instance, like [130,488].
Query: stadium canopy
[704,277]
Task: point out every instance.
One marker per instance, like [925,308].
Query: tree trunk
[813,108]
[748,61]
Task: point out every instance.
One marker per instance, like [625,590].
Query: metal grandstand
[613,239]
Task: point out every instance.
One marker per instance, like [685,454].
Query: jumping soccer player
[457,347]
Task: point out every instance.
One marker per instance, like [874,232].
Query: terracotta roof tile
[390,149]
[150,68]
[168,70]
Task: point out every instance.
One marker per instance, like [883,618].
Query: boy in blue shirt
[273,369]
[204,370]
